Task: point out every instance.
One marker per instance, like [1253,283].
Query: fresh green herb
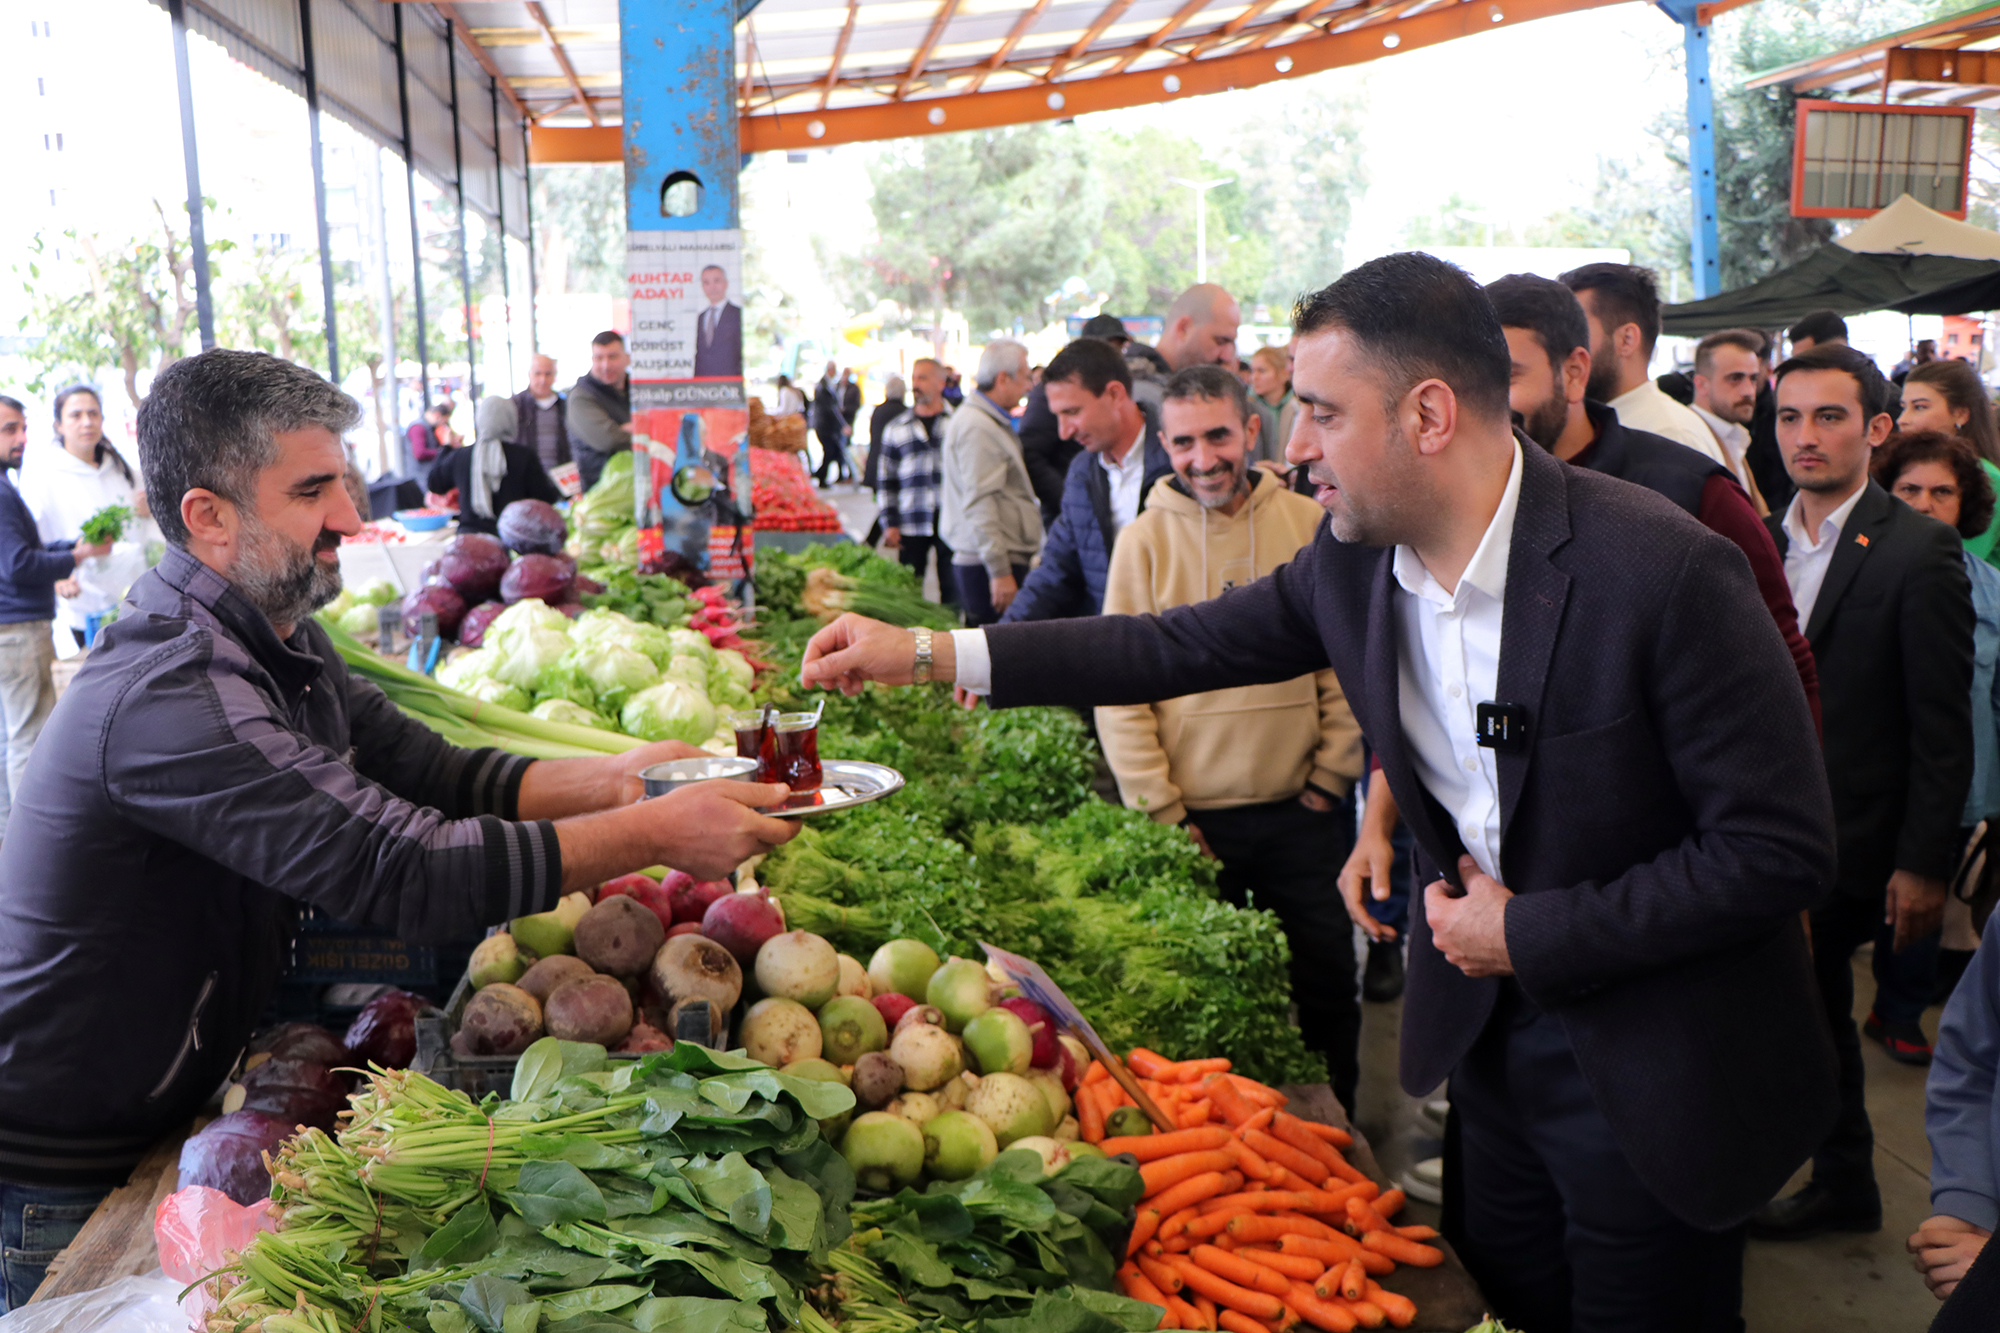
[107,524]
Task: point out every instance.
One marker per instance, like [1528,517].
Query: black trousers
[975,592]
[1285,859]
[1551,1220]
[1845,1163]
[833,454]
[915,553]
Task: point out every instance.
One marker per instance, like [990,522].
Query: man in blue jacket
[1089,389]
[29,571]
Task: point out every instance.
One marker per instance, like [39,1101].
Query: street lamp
[1201,189]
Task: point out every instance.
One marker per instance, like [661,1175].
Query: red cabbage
[228,1154]
[385,1033]
[532,527]
[472,564]
[541,576]
[302,1092]
[472,629]
[438,597]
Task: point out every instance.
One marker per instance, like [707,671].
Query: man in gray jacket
[598,411]
[987,511]
[214,763]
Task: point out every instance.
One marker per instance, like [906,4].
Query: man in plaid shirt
[912,446]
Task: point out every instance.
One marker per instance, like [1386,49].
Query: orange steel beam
[1944,27]
[1105,19]
[1301,17]
[1160,35]
[1223,35]
[938,24]
[839,52]
[540,18]
[1704,15]
[485,59]
[1017,106]
[1013,38]
[573,143]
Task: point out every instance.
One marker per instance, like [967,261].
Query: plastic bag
[199,1230]
[129,1305]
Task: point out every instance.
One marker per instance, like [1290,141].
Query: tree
[130,305]
[271,303]
[1300,172]
[1145,252]
[580,229]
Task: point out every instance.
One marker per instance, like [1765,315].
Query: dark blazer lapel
[1384,725]
[1870,514]
[1536,593]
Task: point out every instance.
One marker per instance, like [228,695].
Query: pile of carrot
[1252,1220]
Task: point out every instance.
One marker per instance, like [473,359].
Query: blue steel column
[678,67]
[1704,238]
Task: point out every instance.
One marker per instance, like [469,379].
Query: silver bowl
[677,773]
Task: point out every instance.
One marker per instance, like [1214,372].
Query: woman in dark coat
[494,472]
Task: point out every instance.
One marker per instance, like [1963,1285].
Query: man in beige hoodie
[1259,775]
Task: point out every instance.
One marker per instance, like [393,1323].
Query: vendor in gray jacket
[598,411]
[987,512]
[214,764]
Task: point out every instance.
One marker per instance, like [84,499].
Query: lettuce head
[669,711]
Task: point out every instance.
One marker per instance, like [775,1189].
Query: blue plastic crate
[326,953]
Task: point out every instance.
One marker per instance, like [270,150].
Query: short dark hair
[1748,340]
[211,420]
[1209,383]
[606,338]
[1545,308]
[1874,390]
[1820,326]
[1626,294]
[1906,449]
[1092,363]
[14,403]
[1420,318]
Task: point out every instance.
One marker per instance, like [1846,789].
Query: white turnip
[1012,1107]
[798,965]
[778,1031]
[929,1055]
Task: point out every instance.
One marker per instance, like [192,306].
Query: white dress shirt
[1646,408]
[1126,478]
[709,319]
[1448,664]
[1734,439]
[1806,559]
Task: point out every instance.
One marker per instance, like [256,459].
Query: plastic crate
[477,1075]
[326,952]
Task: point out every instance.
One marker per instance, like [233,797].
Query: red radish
[1066,1068]
[1047,1049]
[684,928]
[892,1006]
[741,922]
[691,898]
[650,894]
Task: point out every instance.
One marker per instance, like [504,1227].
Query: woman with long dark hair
[65,484]
[1947,396]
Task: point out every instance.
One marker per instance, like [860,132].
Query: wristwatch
[921,674]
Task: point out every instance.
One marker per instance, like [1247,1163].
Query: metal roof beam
[1943,27]
[938,25]
[839,52]
[484,57]
[1013,38]
[541,20]
[1105,19]
[1160,35]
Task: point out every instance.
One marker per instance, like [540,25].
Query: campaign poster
[687,318]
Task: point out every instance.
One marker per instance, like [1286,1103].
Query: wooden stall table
[117,1240]
[1447,1299]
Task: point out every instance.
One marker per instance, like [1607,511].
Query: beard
[1545,424]
[1213,496]
[1603,384]
[1400,513]
[284,580]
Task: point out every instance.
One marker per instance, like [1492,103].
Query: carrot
[1390,1202]
[1333,1134]
[1353,1280]
[1336,1251]
[1417,1233]
[1089,1115]
[1097,1073]
[1228,1099]
[1284,1178]
[1184,1314]
[1320,1314]
[1223,1242]
[1152,1147]
[1402,1311]
[1160,1274]
[1176,1223]
[1206,1309]
[1150,1250]
[1258,1304]
[1189,1192]
[1164,1171]
[1145,1063]
[1362,1218]
[1256,1091]
[1178,1245]
[1403,1251]
[1285,1155]
[1242,1272]
[1252,1162]
[1139,1289]
[1368,1314]
[1143,1228]
[1240,1323]
[1194,1071]
[1212,1224]
[1197,1113]
[1259,1120]
[1290,1129]
[1299,1201]
[1291,1265]
[1250,1228]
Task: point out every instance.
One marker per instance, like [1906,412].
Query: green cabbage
[604,626]
[565,710]
[738,666]
[460,669]
[669,711]
[564,681]
[615,672]
[488,690]
[360,620]
[600,623]
[378,592]
[688,672]
[526,614]
[694,643]
[524,653]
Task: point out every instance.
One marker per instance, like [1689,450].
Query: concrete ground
[1831,1284]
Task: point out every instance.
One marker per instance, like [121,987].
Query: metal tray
[844,784]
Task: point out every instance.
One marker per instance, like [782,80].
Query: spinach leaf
[470,1234]
[592,1300]
[555,1192]
[696,1314]
[488,1299]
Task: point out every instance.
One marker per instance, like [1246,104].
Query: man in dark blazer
[718,329]
[1635,1050]
[1888,611]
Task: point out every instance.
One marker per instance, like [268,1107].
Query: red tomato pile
[784,497]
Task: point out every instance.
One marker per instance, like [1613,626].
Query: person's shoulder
[1919,535]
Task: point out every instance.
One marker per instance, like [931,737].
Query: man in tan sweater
[1259,775]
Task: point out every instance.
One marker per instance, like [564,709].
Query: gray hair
[496,419]
[211,423]
[1211,383]
[895,388]
[1002,356]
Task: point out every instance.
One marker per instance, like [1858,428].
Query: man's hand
[1367,871]
[1945,1248]
[1004,589]
[711,828]
[1201,841]
[892,538]
[68,587]
[1471,931]
[1915,907]
[630,786]
[854,650]
[965,698]
[85,550]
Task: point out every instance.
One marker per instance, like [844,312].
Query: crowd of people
[1853,512]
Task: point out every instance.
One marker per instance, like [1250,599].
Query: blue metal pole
[1704,238]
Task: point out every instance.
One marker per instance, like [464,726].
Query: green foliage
[580,228]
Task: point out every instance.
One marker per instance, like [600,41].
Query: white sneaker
[1434,1111]
[1425,1180]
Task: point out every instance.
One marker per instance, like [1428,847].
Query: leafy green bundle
[690,1189]
[797,593]
[1007,1251]
[107,524]
[650,599]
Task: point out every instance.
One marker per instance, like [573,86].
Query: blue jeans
[36,1222]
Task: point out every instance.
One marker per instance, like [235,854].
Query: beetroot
[298,1091]
[741,922]
[691,897]
[472,629]
[472,564]
[541,576]
[684,928]
[532,527]
[386,1031]
[650,894]
[1047,1050]
[228,1154]
[644,1037]
[438,597]
[892,1006]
